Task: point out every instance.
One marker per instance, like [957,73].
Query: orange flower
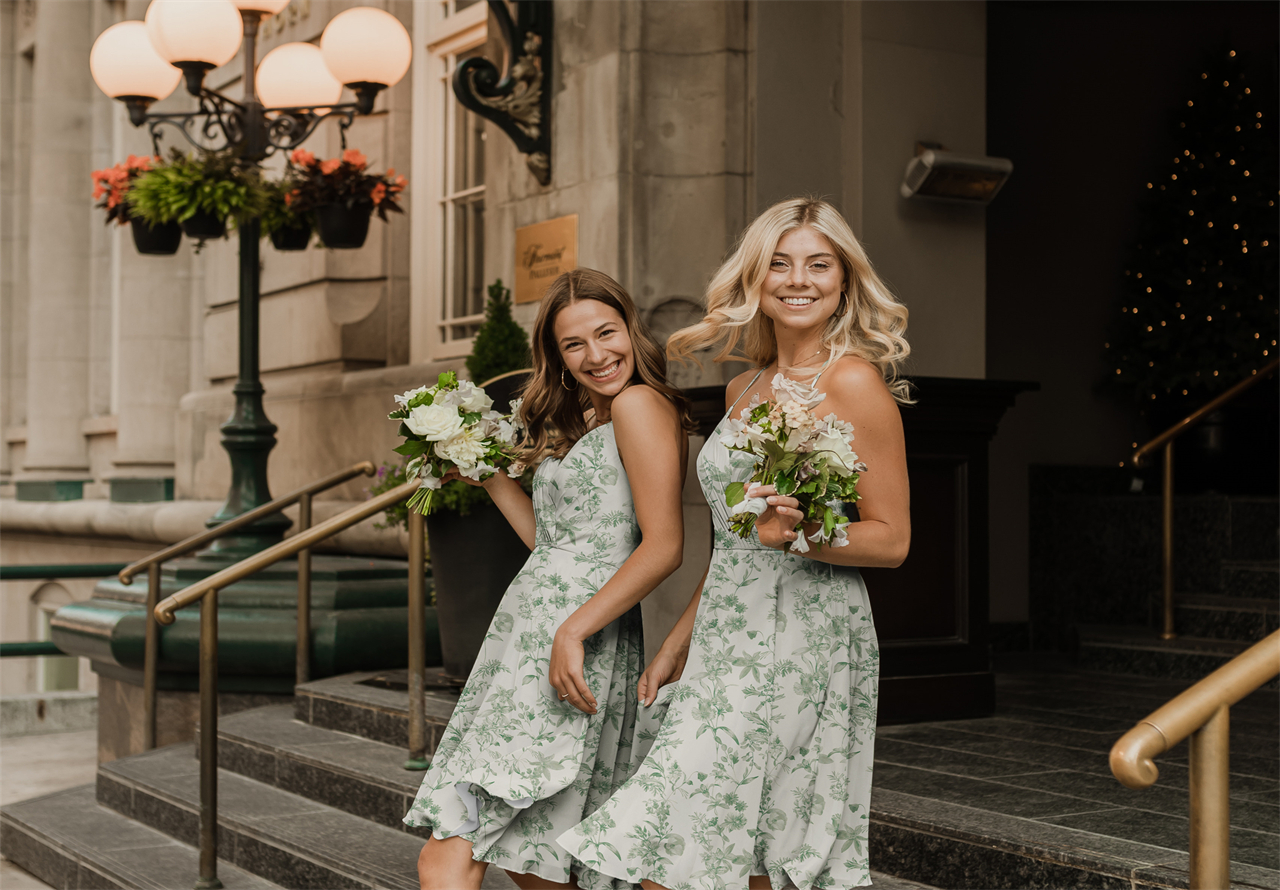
[327,167]
[138,162]
[302,157]
[378,193]
[355,158]
[288,197]
[399,184]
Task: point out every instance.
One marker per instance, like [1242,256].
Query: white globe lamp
[294,75]
[195,35]
[367,50]
[126,66]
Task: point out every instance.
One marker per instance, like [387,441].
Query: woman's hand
[565,672]
[665,668]
[777,524]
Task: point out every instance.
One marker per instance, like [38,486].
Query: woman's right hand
[452,473]
[665,668]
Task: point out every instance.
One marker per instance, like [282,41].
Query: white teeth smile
[604,372]
[799,301]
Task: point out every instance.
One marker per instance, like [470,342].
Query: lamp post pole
[248,436]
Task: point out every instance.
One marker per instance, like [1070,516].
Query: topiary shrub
[501,345]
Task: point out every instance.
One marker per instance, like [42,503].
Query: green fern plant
[217,183]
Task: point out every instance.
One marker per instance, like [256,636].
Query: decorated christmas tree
[1200,308]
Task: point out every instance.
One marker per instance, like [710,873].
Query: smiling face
[802,287]
[596,348]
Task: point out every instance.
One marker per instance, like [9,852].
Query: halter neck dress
[762,764]
[516,767]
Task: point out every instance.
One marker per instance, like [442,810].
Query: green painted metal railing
[49,573]
[26,650]
[76,570]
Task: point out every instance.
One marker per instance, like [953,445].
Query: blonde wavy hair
[873,326]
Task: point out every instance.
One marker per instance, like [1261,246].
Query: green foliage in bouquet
[216,183]
[501,345]
[455,497]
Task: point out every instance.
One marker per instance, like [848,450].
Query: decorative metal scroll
[220,123]
[519,98]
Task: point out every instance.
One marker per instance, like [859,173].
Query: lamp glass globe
[266,7]
[366,45]
[206,31]
[124,63]
[294,75]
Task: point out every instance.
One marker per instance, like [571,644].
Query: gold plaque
[544,251]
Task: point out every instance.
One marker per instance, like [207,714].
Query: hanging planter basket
[162,240]
[205,226]
[344,227]
[292,239]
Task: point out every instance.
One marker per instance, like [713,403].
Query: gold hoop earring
[565,385]
[844,306]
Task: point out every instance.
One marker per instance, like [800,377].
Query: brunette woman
[761,773]
[544,730]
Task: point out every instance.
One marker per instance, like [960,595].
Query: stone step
[68,840]
[1213,616]
[1139,650]
[283,837]
[1253,578]
[372,705]
[347,772]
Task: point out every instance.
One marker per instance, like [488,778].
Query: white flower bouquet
[806,457]
[452,426]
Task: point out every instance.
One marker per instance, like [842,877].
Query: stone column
[59,252]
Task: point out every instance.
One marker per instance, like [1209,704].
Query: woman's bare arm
[654,450]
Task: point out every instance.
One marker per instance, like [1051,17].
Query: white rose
[835,448]
[472,397]
[434,422]
[463,450]
[403,400]
[480,471]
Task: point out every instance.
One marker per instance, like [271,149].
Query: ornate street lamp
[364,49]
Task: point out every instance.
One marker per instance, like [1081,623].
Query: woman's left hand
[777,524]
[566,672]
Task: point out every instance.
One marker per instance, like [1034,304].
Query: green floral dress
[763,761]
[517,767]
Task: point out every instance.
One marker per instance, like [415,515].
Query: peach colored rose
[379,192]
[327,167]
[302,157]
[355,158]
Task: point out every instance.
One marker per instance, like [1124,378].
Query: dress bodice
[717,467]
[583,503]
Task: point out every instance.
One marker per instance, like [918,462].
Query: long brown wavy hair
[555,416]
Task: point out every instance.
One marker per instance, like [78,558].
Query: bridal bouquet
[804,456]
[452,425]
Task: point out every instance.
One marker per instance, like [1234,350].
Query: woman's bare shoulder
[737,386]
[639,402]
[852,380]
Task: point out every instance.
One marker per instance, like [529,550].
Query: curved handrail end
[368,467]
[1133,757]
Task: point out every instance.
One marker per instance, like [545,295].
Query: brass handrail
[152,563]
[1165,440]
[206,592]
[1203,713]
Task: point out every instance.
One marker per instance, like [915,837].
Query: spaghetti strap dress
[516,767]
[762,764]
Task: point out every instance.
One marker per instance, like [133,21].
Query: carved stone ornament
[517,101]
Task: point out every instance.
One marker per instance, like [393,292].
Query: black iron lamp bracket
[219,123]
[517,99]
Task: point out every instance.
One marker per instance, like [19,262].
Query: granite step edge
[176,814]
[1143,638]
[1054,846]
[40,826]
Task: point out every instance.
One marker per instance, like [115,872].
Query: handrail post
[1167,632]
[208,879]
[304,595]
[150,657]
[1211,803]
[417,642]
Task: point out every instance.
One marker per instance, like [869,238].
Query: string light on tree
[1214,210]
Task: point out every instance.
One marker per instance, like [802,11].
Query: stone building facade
[672,125]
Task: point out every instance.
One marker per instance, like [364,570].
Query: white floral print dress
[763,761]
[516,766]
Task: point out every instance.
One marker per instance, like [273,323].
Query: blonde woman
[545,729]
[761,773]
